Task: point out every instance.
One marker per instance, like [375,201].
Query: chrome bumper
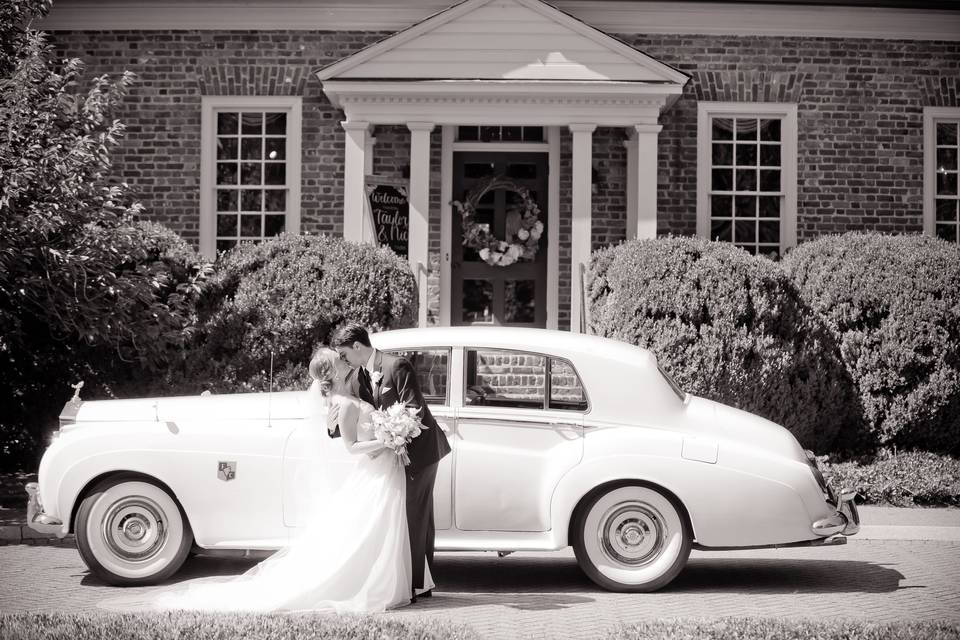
[36,518]
[846,519]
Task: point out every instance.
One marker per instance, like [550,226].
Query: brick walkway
[546,595]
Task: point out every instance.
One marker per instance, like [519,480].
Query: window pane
[947,133]
[226,173]
[227,225]
[226,148]
[276,123]
[431,366]
[769,206]
[721,206]
[226,123]
[721,230]
[468,134]
[566,391]
[251,226]
[533,134]
[505,379]
[489,134]
[275,173]
[770,231]
[227,200]
[477,301]
[519,301]
[250,173]
[769,180]
[947,184]
[770,155]
[722,129]
[275,200]
[749,248]
[225,245]
[770,130]
[746,179]
[251,123]
[722,180]
[250,200]
[947,232]
[746,206]
[522,171]
[947,210]
[511,134]
[745,231]
[275,148]
[273,225]
[746,128]
[250,148]
[746,155]
[477,169]
[722,154]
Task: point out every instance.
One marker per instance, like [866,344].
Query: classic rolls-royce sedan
[558,439]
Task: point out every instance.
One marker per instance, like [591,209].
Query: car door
[519,431]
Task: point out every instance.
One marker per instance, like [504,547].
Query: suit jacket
[399,384]
[359,385]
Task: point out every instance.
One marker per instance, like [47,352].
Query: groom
[387,380]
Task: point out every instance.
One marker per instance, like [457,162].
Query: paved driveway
[546,595]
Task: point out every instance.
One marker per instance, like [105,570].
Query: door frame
[552,148]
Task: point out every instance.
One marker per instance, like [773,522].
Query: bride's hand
[373,454]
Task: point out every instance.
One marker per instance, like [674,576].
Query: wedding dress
[352,556]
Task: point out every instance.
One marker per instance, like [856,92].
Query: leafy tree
[84,290]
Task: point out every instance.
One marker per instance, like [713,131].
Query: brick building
[763,124]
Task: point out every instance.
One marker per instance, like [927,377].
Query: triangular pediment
[503,40]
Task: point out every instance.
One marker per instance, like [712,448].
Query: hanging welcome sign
[389,208]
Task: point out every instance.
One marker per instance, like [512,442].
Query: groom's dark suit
[399,384]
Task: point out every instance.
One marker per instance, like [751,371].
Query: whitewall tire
[631,538]
[131,532]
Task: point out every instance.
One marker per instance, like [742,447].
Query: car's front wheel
[631,538]
[131,532]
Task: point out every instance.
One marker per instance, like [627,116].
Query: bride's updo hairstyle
[322,368]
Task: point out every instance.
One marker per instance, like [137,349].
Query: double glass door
[481,293]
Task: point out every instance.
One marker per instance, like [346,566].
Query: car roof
[548,341]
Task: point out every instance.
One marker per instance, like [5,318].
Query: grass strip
[784,629]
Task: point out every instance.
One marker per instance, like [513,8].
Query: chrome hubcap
[134,528]
[632,533]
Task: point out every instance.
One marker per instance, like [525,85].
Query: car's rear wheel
[131,532]
[631,538]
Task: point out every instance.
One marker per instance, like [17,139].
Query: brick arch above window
[253,80]
[749,85]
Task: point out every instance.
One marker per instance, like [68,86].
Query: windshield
[673,383]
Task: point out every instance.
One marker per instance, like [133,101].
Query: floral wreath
[524,240]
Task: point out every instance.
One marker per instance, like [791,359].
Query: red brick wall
[860,124]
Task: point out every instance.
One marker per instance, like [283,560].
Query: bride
[354,553]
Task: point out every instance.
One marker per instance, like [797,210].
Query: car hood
[728,423]
[229,407]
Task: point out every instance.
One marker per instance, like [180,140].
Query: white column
[642,217]
[369,233]
[582,203]
[419,208]
[353,168]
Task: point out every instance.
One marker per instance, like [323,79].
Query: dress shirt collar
[369,365]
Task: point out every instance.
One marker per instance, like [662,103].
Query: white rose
[535,234]
[538,227]
[484,254]
[514,252]
[523,234]
[503,245]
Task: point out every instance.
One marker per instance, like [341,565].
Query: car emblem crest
[226,471]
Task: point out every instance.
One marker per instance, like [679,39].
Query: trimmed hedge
[905,479]
[893,303]
[286,295]
[728,326]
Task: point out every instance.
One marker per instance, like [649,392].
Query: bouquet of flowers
[396,426]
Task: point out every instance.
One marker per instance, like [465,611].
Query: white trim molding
[210,106]
[931,116]
[613,16]
[787,114]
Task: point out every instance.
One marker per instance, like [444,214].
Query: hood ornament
[76,393]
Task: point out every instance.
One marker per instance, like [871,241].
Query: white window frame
[210,106]
[785,112]
[931,116]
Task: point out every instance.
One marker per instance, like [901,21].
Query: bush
[728,326]
[285,296]
[893,303]
[906,479]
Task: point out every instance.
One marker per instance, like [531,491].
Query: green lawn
[195,626]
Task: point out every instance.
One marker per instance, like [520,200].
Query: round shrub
[285,296]
[893,303]
[728,326]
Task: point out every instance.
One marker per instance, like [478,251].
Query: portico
[509,63]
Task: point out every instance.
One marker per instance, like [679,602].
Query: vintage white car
[558,439]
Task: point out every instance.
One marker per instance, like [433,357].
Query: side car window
[432,367]
[566,390]
[501,378]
